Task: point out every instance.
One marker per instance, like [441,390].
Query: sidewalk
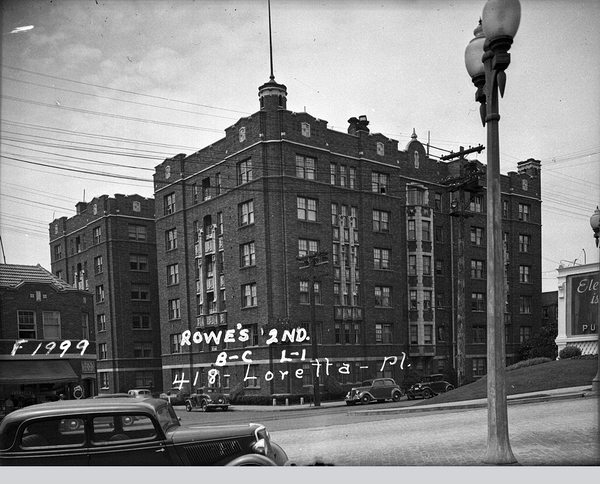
[561,393]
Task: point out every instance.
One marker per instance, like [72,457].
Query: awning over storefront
[36,371]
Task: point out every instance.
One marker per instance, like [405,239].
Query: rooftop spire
[272,77]
[272,95]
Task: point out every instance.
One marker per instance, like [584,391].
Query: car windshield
[167,417]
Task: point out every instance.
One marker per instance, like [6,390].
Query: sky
[98,93]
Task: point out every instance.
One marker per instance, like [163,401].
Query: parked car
[140,393]
[207,399]
[175,396]
[379,389]
[127,432]
[429,386]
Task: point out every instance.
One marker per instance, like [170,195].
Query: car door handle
[162,449]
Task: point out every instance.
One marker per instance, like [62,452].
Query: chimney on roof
[81,207]
[358,124]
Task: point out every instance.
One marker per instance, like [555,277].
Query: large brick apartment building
[108,248]
[236,220]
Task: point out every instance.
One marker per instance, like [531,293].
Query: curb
[472,405]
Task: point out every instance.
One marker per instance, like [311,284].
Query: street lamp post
[595,223]
[486,58]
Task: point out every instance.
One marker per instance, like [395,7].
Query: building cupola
[272,95]
[358,124]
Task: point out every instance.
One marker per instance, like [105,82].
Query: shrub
[530,362]
[541,345]
[333,389]
[569,352]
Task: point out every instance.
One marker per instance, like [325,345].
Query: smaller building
[47,347]
[578,307]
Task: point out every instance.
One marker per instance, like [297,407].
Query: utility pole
[309,262]
[468,181]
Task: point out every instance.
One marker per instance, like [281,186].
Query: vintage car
[207,399]
[429,386]
[140,393]
[379,389]
[175,396]
[127,432]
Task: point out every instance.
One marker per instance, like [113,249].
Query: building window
[343,175]
[524,212]
[476,235]
[206,192]
[26,324]
[58,252]
[504,209]
[477,271]
[174,306]
[352,177]
[246,213]
[251,379]
[247,254]
[412,265]
[137,232]
[244,171]
[426,230]
[525,184]
[383,296]
[477,302]
[427,300]
[524,242]
[99,293]
[426,265]
[171,239]
[307,247]
[380,183]
[195,192]
[381,258]
[252,335]
[98,265]
[140,292]
[476,204]
[525,304]
[242,134]
[138,262]
[439,267]
[101,322]
[142,349]
[524,274]
[524,333]
[85,326]
[305,127]
[479,366]
[307,209]
[412,230]
[102,351]
[437,201]
[305,167]
[140,321]
[172,274]
[249,295]
[414,334]
[479,335]
[439,233]
[383,333]
[428,334]
[415,196]
[381,221]
[412,295]
[169,203]
[380,148]
[143,379]
[304,292]
[51,323]
[97,235]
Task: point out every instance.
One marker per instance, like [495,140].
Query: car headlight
[263,441]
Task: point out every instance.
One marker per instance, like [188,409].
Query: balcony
[421,350]
[199,321]
[211,320]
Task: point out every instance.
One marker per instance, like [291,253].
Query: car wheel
[366,398]
[188,406]
[204,406]
[449,388]
[396,396]
[427,393]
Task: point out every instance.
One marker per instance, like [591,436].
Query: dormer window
[167,171]
[137,206]
[380,148]
[306,130]
[525,184]
[242,134]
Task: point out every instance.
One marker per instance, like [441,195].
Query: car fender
[366,392]
[251,460]
[279,454]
